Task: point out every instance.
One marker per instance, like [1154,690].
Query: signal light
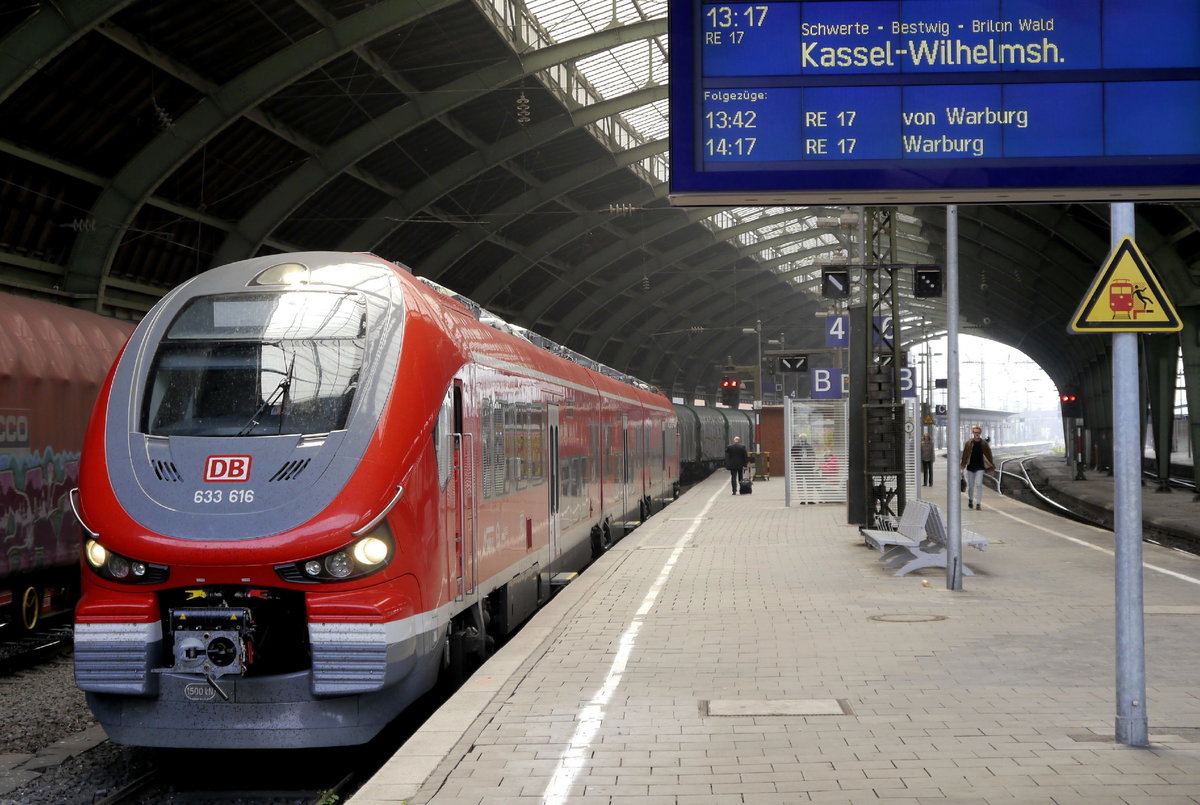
[730,390]
[1072,406]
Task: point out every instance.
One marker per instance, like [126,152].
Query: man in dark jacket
[736,459]
[976,461]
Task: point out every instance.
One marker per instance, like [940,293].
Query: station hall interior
[517,153]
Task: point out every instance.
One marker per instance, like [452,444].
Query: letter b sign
[826,384]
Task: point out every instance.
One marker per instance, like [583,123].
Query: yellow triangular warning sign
[1125,297]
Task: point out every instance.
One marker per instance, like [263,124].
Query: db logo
[227,468]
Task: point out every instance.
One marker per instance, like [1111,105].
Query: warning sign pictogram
[1125,297]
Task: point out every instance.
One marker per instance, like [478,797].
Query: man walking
[976,460]
[736,459]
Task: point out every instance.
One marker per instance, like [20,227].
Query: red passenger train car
[53,361]
[315,482]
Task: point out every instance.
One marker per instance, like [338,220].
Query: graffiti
[37,528]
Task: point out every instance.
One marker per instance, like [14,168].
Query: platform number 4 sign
[837,331]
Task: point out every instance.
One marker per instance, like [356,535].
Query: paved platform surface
[734,650]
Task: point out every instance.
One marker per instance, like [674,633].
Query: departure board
[894,101]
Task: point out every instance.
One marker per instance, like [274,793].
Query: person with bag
[736,459]
[976,460]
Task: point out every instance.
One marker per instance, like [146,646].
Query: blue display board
[892,101]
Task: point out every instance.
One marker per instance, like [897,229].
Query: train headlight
[370,551]
[364,556]
[339,565]
[96,555]
[118,566]
[115,567]
[283,274]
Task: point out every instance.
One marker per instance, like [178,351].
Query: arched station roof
[513,151]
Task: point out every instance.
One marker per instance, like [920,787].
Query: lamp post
[756,330]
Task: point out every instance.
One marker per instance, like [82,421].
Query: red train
[315,482]
[53,360]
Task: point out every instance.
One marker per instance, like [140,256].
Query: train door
[552,482]
[625,470]
[463,504]
[645,470]
[636,470]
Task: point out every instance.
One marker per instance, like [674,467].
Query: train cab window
[257,364]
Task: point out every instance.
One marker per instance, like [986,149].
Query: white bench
[906,539]
[937,530]
[933,551]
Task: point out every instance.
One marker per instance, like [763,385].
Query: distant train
[704,432]
[53,361]
[314,483]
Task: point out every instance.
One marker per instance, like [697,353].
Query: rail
[1024,477]
[1173,480]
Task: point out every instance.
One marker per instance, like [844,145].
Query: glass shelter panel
[816,461]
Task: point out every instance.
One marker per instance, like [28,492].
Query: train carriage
[315,483]
[705,431]
[53,361]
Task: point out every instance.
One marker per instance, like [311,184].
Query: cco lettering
[14,429]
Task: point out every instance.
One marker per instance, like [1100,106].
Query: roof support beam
[303,183]
[472,235]
[54,28]
[136,181]
[379,225]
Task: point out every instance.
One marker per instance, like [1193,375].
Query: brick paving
[734,650]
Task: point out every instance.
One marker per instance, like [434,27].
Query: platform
[733,650]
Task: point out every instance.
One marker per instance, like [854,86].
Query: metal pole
[789,469]
[953,443]
[918,481]
[1131,728]
[758,396]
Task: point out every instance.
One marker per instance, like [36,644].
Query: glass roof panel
[632,66]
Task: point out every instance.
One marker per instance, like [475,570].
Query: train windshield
[257,365]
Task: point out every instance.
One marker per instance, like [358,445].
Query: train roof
[486,317]
[46,341]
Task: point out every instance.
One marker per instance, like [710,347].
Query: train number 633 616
[221,495]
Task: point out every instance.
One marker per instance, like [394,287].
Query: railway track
[1019,483]
[158,785]
[261,777]
[18,653]
[113,774]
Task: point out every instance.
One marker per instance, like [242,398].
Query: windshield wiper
[278,394]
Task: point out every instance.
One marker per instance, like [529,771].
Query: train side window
[499,458]
[485,444]
[491,441]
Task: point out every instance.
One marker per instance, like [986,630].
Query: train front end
[243,486]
